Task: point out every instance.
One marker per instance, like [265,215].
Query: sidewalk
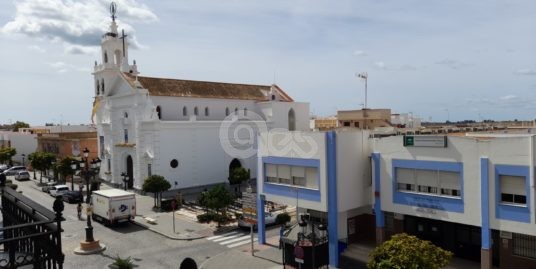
[186,225]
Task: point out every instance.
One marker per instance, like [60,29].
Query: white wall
[24,144]
[500,151]
[354,184]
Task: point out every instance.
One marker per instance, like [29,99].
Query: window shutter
[405,175]
[426,177]
[513,185]
[271,170]
[311,176]
[449,180]
[283,171]
[298,171]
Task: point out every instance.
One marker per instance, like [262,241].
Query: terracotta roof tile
[205,89]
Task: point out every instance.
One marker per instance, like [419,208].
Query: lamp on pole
[364,76]
[125,180]
[90,245]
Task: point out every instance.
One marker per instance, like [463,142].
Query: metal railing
[31,233]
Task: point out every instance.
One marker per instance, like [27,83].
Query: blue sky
[475,59]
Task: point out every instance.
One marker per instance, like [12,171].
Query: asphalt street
[146,248]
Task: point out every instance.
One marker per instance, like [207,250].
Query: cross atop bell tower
[114,52]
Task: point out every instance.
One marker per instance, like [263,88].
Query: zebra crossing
[233,239]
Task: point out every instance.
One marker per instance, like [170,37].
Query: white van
[58,190]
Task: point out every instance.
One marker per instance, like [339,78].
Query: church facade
[190,132]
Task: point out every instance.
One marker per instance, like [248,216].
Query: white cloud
[510,101]
[526,71]
[62,67]
[382,66]
[454,64]
[77,49]
[77,24]
[360,53]
[36,48]
[507,97]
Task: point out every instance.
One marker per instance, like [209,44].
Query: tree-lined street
[147,248]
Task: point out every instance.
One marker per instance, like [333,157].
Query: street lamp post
[87,170]
[125,176]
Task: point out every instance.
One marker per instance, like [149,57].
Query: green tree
[6,154]
[19,124]
[41,161]
[156,184]
[218,199]
[238,175]
[405,251]
[34,159]
[63,167]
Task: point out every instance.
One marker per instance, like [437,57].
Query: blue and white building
[471,195]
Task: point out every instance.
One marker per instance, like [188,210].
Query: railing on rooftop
[31,233]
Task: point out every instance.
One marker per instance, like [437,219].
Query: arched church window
[125,115]
[291,120]
[159,112]
[196,111]
[236,111]
[105,57]
[227,111]
[97,87]
[206,111]
[185,111]
[117,58]
[102,86]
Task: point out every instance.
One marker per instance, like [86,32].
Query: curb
[167,236]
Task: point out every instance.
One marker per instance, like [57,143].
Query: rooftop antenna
[364,76]
[113,10]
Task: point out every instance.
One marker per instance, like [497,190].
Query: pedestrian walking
[79,210]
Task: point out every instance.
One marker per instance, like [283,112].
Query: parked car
[22,175]
[14,170]
[48,186]
[3,167]
[73,197]
[269,219]
[58,190]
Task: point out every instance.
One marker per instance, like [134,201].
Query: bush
[120,263]
[205,218]
[221,219]
[407,251]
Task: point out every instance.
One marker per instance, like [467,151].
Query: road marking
[232,239]
[235,240]
[220,236]
[226,238]
[242,243]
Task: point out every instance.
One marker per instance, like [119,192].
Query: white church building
[190,132]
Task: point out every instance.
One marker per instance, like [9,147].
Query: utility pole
[364,76]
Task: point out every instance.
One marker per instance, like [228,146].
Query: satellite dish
[113,10]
